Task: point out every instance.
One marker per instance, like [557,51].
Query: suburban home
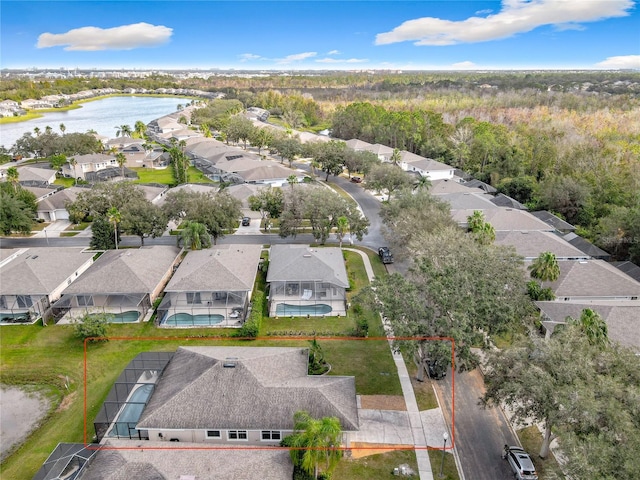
[118,459]
[124,283]
[622,318]
[468,200]
[383,152]
[42,192]
[425,167]
[211,287]
[153,192]
[357,145]
[87,164]
[504,219]
[305,281]
[446,185]
[54,206]
[34,278]
[34,175]
[233,396]
[531,243]
[593,280]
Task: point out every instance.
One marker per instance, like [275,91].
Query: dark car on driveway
[385,255]
[246,221]
[520,462]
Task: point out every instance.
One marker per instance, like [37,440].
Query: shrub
[92,326]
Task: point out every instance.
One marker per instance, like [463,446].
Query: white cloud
[622,61]
[125,37]
[334,52]
[339,60]
[463,65]
[245,57]
[516,16]
[297,57]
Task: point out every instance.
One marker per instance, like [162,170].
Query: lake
[102,115]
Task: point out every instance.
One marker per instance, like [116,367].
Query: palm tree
[13,177]
[314,441]
[48,130]
[121,158]
[73,162]
[475,221]
[421,182]
[292,180]
[140,129]
[545,268]
[341,228]
[594,327]
[113,215]
[36,130]
[395,157]
[194,235]
[62,128]
[124,130]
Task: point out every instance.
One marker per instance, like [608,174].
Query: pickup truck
[385,255]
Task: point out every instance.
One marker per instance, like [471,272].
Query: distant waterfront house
[211,287]
[124,283]
[306,281]
[34,278]
[89,163]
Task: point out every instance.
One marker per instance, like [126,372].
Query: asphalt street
[479,434]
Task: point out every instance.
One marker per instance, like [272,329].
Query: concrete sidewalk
[426,427]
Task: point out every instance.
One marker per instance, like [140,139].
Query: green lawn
[531,440]
[449,469]
[46,357]
[165,176]
[65,182]
[379,467]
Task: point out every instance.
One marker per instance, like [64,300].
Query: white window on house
[237,435]
[271,435]
[213,434]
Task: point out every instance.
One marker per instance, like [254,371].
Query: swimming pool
[186,319]
[130,316]
[130,413]
[298,310]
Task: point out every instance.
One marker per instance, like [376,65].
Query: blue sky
[321,35]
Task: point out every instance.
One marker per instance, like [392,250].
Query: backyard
[52,359]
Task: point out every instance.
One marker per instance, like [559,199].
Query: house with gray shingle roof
[503,219]
[122,282]
[211,287]
[90,163]
[383,152]
[593,280]
[622,318]
[305,281]
[34,278]
[555,221]
[242,396]
[54,207]
[531,243]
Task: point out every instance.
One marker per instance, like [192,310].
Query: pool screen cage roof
[66,461]
[144,364]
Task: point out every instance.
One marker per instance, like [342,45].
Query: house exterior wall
[254,437]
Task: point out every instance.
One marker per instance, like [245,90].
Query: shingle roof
[300,263]
[468,201]
[622,318]
[427,164]
[39,271]
[144,460]
[586,246]
[379,149]
[263,390]
[59,200]
[93,158]
[629,268]
[593,278]
[37,174]
[219,268]
[530,244]
[504,219]
[479,184]
[502,200]
[444,186]
[267,171]
[132,270]
[356,144]
[554,221]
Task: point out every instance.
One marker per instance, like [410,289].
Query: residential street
[480,434]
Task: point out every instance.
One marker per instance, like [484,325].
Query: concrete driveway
[388,427]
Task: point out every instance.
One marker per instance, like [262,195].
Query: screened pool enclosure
[302,298]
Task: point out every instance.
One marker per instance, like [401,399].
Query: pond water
[103,116]
[20,412]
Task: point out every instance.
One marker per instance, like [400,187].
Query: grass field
[165,176]
[49,357]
